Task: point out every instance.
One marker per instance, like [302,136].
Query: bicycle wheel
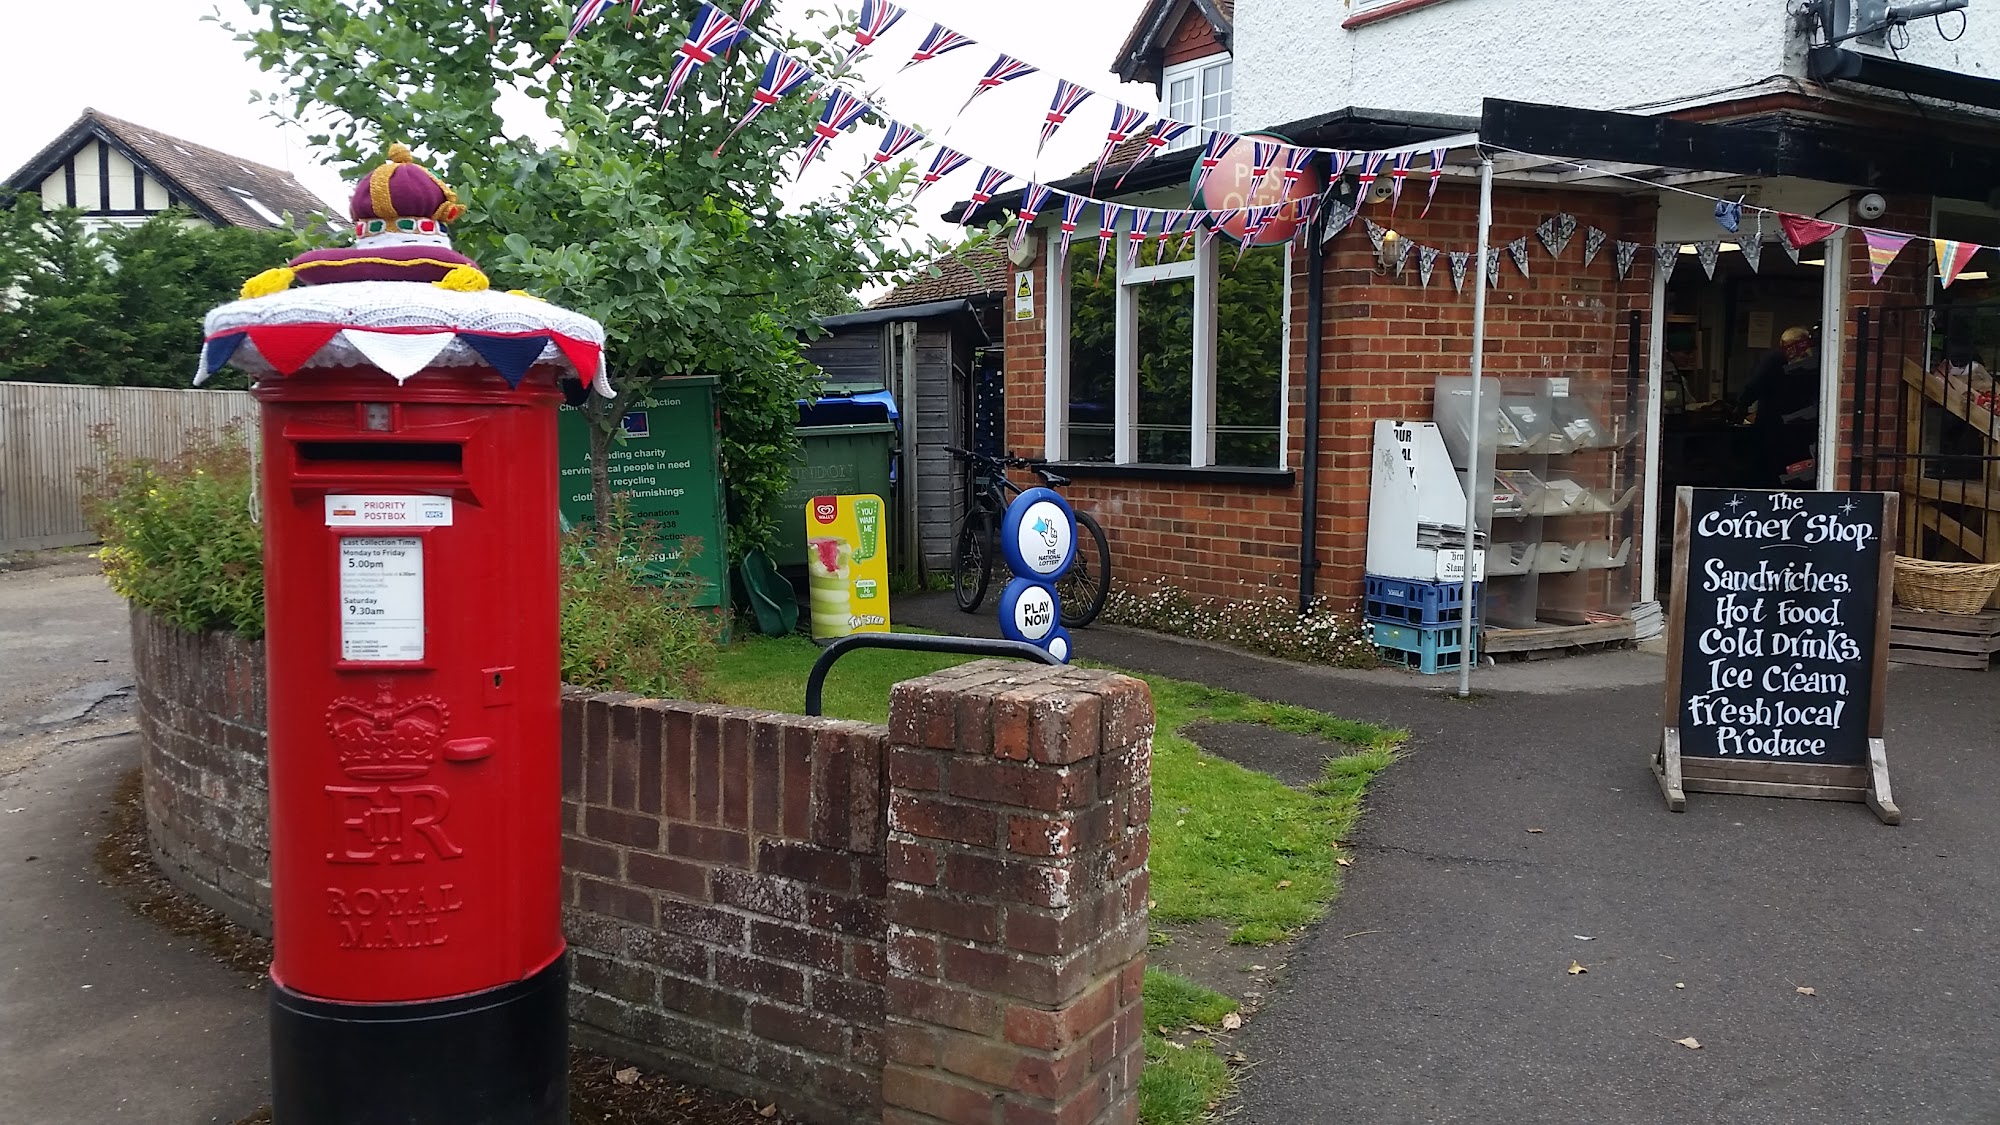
[1087,583]
[972,560]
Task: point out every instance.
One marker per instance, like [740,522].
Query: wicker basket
[1945,587]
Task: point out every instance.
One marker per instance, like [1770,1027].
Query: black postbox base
[499,1057]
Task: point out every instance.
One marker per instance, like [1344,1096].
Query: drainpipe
[1315,323]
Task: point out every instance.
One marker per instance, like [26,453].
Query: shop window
[1201,93]
[1148,377]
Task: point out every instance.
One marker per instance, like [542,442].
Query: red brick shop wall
[1209,538]
[1385,341]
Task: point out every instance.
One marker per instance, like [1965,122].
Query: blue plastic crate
[1404,601]
[1429,650]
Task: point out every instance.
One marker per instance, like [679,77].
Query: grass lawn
[1229,844]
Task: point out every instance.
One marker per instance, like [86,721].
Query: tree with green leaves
[116,306]
[692,260]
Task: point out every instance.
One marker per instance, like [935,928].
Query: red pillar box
[409,505]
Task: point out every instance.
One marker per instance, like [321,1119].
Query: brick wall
[1385,339]
[940,922]
[201,721]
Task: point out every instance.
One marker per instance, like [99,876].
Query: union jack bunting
[1371,166]
[1072,211]
[898,140]
[1165,132]
[1337,166]
[1219,144]
[712,33]
[1296,161]
[782,75]
[1005,69]
[1107,231]
[1307,207]
[749,9]
[937,41]
[1033,198]
[1397,175]
[1263,154]
[1255,219]
[1124,122]
[1069,95]
[1193,227]
[585,12]
[1142,217]
[990,182]
[943,164]
[877,16]
[1216,221]
[1437,173]
[842,111]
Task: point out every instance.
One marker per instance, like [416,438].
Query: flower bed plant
[1266,623]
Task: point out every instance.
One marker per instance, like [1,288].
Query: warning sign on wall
[381,598]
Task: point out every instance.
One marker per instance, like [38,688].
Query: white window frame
[1205,270]
[1194,70]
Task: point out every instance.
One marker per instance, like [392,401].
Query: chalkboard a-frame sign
[1778,646]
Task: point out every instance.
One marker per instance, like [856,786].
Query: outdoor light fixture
[1388,255]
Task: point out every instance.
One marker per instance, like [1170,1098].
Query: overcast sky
[156,62]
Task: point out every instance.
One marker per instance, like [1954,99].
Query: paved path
[104,1017]
[1436,990]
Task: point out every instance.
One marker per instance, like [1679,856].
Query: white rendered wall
[1294,60]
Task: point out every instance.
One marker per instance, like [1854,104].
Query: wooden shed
[935,344]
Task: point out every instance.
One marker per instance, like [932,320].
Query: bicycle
[1081,590]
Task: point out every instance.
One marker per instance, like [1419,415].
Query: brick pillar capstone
[1018,806]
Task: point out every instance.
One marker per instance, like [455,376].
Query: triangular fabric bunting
[1398,174]
[1371,167]
[401,354]
[947,161]
[1072,212]
[1069,95]
[1107,231]
[1005,69]
[1555,233]
[1437,173]
[1593,241]
[1791,251]
[217,352]
[1263,156]
[1124,122]
[711,34]
[1753,253]
[877,17]
[1296,162]
[586,357]
[1706,252]
[899,138]
[1667,255]
[1493,268]
[1459,259]
[1518,250]
[939,40]
[511,356]
[1376,234]
[586,10]
[1801,232]
[1427,257]
[1400,255]
[287,347]
[1952,257]
[1339,215]
[1626,252]
[1883,247]
[1216,221]
[1305,210]
[782,75]
[1034,197]
[991,180]
[1219,144]
[1165,132]
[1142,218]
[843,111]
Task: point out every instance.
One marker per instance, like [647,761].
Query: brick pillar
[1019,796]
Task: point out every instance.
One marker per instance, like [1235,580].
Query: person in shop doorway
[1784,392]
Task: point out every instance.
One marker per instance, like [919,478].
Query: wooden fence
[45,442]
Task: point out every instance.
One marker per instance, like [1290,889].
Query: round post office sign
[1038,535]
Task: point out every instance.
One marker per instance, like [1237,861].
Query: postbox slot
[435,456]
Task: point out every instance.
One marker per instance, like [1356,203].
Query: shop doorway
[1741,372]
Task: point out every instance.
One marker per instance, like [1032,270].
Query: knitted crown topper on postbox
[402,214]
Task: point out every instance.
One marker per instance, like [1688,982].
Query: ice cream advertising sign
[847,566]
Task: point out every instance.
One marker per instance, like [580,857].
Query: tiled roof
[220,187]
[974,272]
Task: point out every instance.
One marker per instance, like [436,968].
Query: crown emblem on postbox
[387,739]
